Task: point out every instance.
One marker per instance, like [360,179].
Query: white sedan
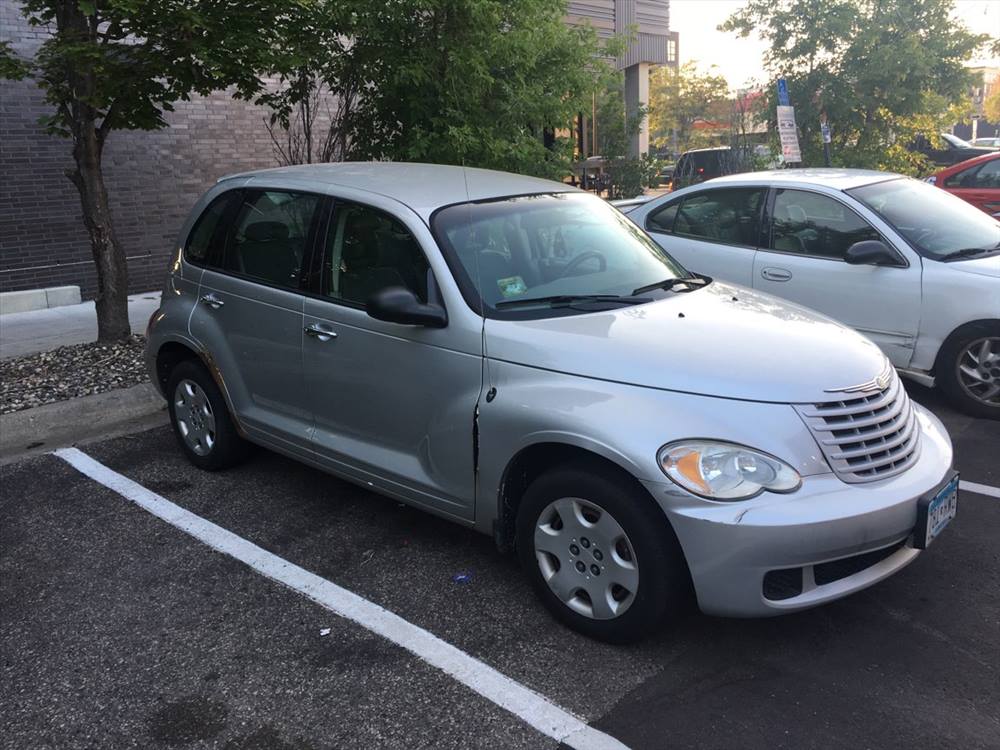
[913,268]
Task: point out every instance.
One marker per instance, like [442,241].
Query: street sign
[783,93]
[826,131]
[788,134]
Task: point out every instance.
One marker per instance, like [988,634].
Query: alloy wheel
[586,558]
[978,367]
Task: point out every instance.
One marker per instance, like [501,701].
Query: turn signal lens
[725,471]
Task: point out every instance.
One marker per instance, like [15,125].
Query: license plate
[935,512]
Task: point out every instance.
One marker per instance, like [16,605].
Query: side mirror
[871,253]
[396,304]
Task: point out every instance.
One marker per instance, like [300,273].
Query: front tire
[968,369]
[201,420]
[600,555]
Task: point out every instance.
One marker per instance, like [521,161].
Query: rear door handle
[212,301]
[776,274]
[320,332]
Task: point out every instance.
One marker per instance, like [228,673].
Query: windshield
[935,222]
[561,245]
[955,141]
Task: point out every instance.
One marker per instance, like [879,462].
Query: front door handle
[212,301]
[320,332]
[776,274]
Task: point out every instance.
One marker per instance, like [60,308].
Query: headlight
[725,471]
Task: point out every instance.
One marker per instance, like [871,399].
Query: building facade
[647,24]
[153,177]
[978,125]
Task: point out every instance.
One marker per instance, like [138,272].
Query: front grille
[829,572]
[869,437]
[787,583]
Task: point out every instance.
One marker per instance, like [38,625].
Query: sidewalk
[43,330]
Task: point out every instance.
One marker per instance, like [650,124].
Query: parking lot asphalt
[119,630]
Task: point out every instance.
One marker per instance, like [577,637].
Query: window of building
[672,50]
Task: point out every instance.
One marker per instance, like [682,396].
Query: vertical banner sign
[825,128]
[783,93]
[786,125]
[786,132]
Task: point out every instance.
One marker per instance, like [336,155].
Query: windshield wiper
[967,252]
[568,299]
[694,282]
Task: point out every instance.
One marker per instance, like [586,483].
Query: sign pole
[824,126]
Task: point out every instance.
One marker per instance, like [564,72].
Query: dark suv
[950,149]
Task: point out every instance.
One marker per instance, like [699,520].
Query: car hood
[983,266]
[722,340]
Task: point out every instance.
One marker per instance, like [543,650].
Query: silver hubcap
[979,370]
[586,558]
[195,420]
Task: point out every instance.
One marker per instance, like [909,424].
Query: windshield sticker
[512,286]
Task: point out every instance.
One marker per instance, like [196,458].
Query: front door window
[368,250]
[817,225]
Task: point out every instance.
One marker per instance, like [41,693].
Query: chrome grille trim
[866,438]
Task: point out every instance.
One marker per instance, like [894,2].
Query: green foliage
[471,82]
[627,176]
[882,70]
[677,99]
[123,63]
[11,66]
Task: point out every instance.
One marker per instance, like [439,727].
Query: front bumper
[731,547]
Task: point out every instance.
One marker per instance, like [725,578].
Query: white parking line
[979,489]
[526,704]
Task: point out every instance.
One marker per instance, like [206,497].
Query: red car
[974,180]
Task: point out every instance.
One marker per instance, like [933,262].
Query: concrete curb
[51,426]
[38,299]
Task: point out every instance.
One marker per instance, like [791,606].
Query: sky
[740,61]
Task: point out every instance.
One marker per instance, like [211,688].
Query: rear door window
[729,216]
[271,235]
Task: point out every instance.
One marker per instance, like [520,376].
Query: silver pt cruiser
[516,356]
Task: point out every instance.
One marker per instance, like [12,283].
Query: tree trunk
[112,272]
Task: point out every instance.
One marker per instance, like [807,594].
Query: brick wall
[153,178]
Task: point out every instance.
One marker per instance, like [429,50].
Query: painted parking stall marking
[979,489]
[529,706]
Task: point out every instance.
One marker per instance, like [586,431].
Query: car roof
[705,150]
[963,165]
[838,179]
[422,187]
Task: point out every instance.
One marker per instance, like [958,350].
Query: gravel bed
[70,371]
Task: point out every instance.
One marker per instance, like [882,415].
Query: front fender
[622,423]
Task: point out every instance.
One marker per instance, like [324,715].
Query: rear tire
[968,369]
[600,555]
[201,420]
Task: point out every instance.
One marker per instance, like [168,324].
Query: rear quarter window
[207,237]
